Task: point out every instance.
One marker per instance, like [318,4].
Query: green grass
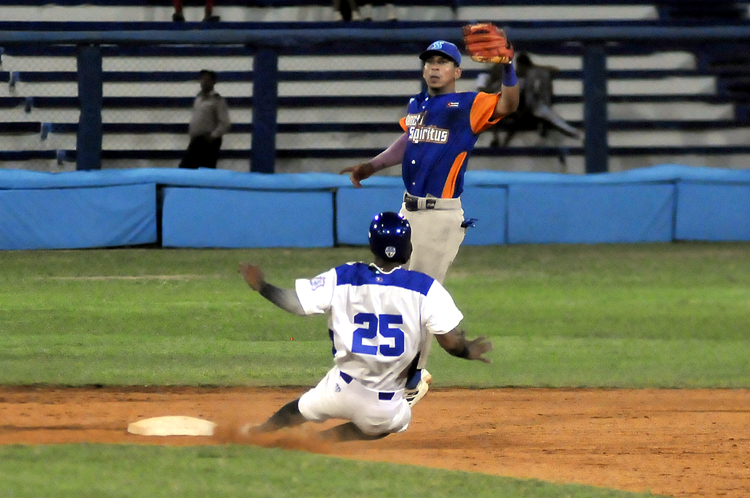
[661,315]
[655,291]
[658,315]
[81,471]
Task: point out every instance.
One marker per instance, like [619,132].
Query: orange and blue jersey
[442,131]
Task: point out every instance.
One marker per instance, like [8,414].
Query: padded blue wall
[217,208]
[712,212]
[355,208]
[211,217]
[78,217]
[587,214]
[488,206]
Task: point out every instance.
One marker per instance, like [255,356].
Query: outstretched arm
[391,156]
[456,344]
[286,299]
[511,93]
[488,43]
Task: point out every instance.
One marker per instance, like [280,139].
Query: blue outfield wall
[713,212]
[215,217]
[593,213]
[355,208]
[219,208]
[488,206]
[74,218]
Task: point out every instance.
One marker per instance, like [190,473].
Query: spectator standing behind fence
[178,16]
[210,121]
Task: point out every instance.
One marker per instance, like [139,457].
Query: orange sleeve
[402,122]
[482,111]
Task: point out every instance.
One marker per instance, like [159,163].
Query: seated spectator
[178,16]
[535,108]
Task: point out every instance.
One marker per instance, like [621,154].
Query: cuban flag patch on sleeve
[452,104]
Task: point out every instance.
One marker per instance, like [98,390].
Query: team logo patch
[317,282]
[390,251]
[452,104]
[338,388]
[430,134]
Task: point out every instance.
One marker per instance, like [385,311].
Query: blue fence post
[90,93]
[265,104]
[595,108]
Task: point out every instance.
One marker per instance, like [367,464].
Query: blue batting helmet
[390,237]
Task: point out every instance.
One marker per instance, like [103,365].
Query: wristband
[465,353]
[509,75]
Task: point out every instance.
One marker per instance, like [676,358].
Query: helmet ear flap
[407,254]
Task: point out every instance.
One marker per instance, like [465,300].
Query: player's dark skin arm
[456,344]
[286,299]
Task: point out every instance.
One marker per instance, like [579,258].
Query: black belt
[411,203]
[383,395]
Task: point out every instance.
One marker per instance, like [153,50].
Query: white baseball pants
[436,236]
[373,412]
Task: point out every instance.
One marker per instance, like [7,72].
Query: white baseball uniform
[377,323]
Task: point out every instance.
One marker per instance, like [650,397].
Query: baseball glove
[485,42]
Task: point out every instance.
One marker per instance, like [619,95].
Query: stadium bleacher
[666,103]
[321,11]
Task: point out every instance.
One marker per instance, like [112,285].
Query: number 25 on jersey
[376,327]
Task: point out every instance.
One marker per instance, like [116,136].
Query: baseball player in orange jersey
[440,130]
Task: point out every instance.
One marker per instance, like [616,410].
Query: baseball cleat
[414,395]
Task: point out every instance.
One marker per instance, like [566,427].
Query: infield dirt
[684,443]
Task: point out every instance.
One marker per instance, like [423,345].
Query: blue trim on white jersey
[362,274]
[333,343]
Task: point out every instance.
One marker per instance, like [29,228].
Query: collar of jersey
[426,95]
[376,267]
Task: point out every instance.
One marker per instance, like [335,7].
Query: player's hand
[456,344]
[252,275]
[478,347]
[358,173]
